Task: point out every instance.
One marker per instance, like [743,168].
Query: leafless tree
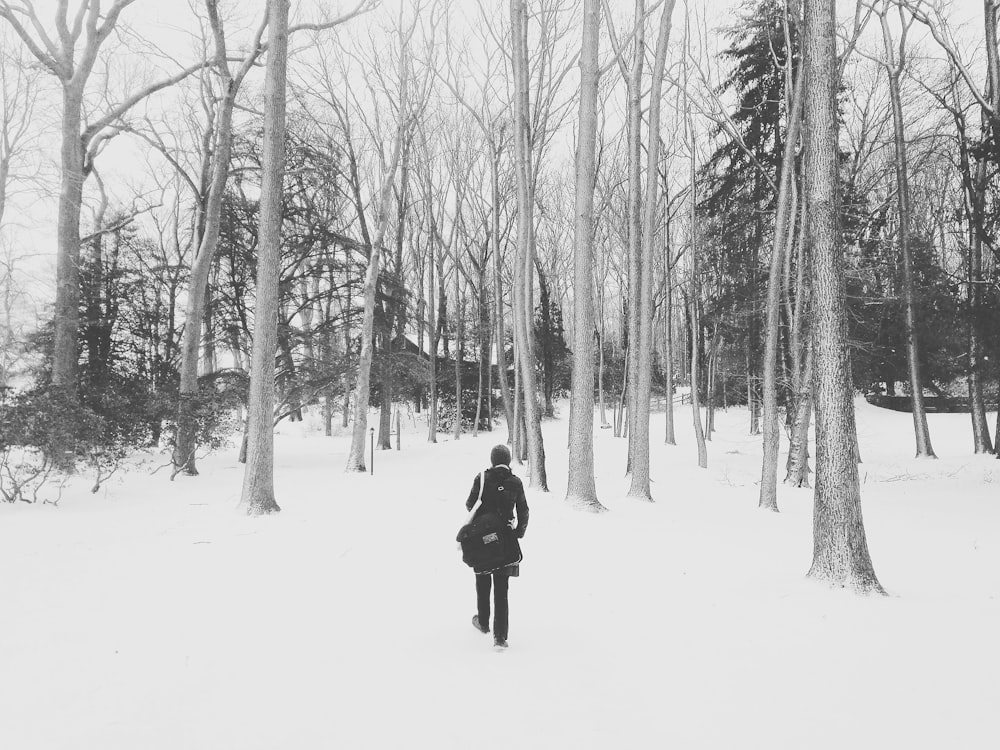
[643,360]
[70,55]
[404,122]
[581,489]
[894,64]
[258,479]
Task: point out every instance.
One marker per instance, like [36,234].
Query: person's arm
[521,506]
[474,494]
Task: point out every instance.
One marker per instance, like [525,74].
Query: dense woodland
[476,211]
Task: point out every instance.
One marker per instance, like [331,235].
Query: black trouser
[483,584]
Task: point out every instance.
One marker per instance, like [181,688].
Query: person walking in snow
[503,494]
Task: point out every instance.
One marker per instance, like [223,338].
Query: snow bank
[154,616]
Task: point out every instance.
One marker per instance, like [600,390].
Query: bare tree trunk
[634,218]
[797,472]
[258,479]
[699,432]
[974,351]
[622,399]
[644,350]
[668,325]
[519,449]
[432,406]
[784,233]
[694,317]
[480,349]
[524,264]
[581,490]
[840,549]
[385,416]
[71,58]
[459,353]
[977,199]
[894,67]
[67,312]
[356,457]
[345,406]
[668,362]
[185,443]
[713,364]
[501,338]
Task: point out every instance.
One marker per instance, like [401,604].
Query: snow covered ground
[152,615]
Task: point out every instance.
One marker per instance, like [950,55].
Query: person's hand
[512,524]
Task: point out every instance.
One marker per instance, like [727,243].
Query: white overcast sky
[170,26]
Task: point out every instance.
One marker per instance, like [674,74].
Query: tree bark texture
[797,469]
[634,218]
[258,479]
[840,549]
[581,489]
[67,308]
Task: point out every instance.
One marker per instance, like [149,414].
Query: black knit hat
[500,455]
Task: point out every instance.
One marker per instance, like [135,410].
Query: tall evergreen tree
[743,173]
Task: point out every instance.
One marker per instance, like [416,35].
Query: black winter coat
[503,495]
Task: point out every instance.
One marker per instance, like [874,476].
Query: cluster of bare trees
[401,214]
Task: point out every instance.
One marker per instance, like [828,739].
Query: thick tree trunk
[385,414]
[840,549]
[67,308]
[208,363]
[258,480]
[797,467]
[581,489]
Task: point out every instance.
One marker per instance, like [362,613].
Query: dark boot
[478,625]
